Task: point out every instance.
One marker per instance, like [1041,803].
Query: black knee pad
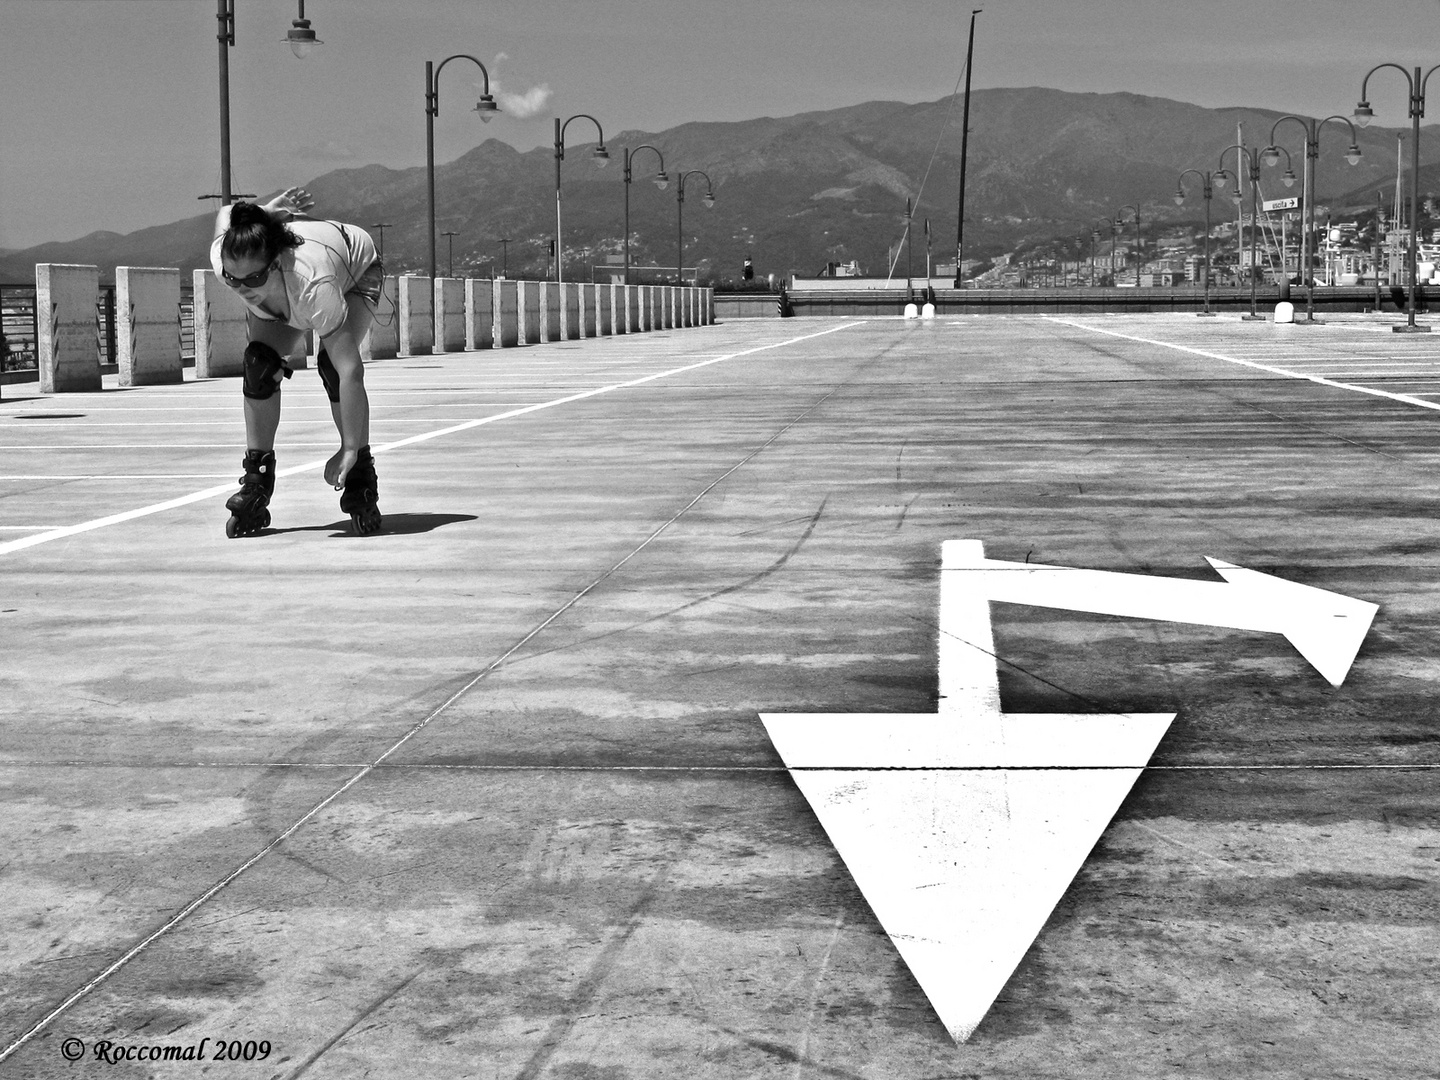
[261,364]
[328,375]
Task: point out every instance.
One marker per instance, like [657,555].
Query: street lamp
[1312,154]
[1363,116]
[382,226]
[661,180]
[708,199]
[1220,178]
[301,38]
[600,156]
[486,107]
[1206,190]
[1139,248]
[225,15]
[450,264]
[1095,240]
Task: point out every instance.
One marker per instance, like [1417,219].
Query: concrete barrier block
[687,305]
[569,310]
[417,323]
[69,345]
[479,313]
[505,301]
[528,297]
[147,325]
[551,306]
[604,310]
[633,310]
[220,333]
[449,301]
[671,293]
[382,339]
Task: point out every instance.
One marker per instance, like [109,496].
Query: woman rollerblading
[296,273]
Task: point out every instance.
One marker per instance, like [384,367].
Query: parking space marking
[213,492]
[1374,391]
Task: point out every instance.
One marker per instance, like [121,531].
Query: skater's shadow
[390,525]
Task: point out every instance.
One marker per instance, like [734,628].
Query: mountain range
[795,193]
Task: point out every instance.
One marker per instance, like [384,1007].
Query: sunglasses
[252,281]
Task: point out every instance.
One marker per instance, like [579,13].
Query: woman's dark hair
[253,231]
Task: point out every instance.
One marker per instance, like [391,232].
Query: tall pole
[1312,152]
[964,151]
[627,215]
[225,13]
[430,105]
[559,154]
[680,230]
[382,226]
[1206,271]
[909,251]
[1417,108]
[505,256]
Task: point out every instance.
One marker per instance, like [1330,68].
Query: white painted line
[152,446]
[210,493]
[117,476]
[1407,399]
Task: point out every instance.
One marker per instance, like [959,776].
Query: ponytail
[254,231]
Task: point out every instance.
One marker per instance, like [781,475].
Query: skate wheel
[365,522]
[232,527]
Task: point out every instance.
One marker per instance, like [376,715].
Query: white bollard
[911,311]
[449,308]
[417,323]
[1284,312]
[928,311]
[147,325]
[220,330]
[479,313]
[69,343]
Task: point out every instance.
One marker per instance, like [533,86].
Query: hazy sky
[109,109]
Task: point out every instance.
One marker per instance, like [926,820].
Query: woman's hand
[291,202]
[339,466]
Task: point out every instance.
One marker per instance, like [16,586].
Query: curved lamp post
[1271,156]
[600,156]
[662,181]
[302,41]
[1109,223]
[708,199]
[486,107]
[1363,115]
[1207,189]
[1139,250]
[1219,179]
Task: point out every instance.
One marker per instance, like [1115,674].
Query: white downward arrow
[964,828]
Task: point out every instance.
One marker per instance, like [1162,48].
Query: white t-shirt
[307,287]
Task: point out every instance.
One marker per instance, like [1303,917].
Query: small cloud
[499,56]
[523,106]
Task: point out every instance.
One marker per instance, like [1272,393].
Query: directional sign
[1292,203]
[964,828]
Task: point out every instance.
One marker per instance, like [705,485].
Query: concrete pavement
[487,794]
